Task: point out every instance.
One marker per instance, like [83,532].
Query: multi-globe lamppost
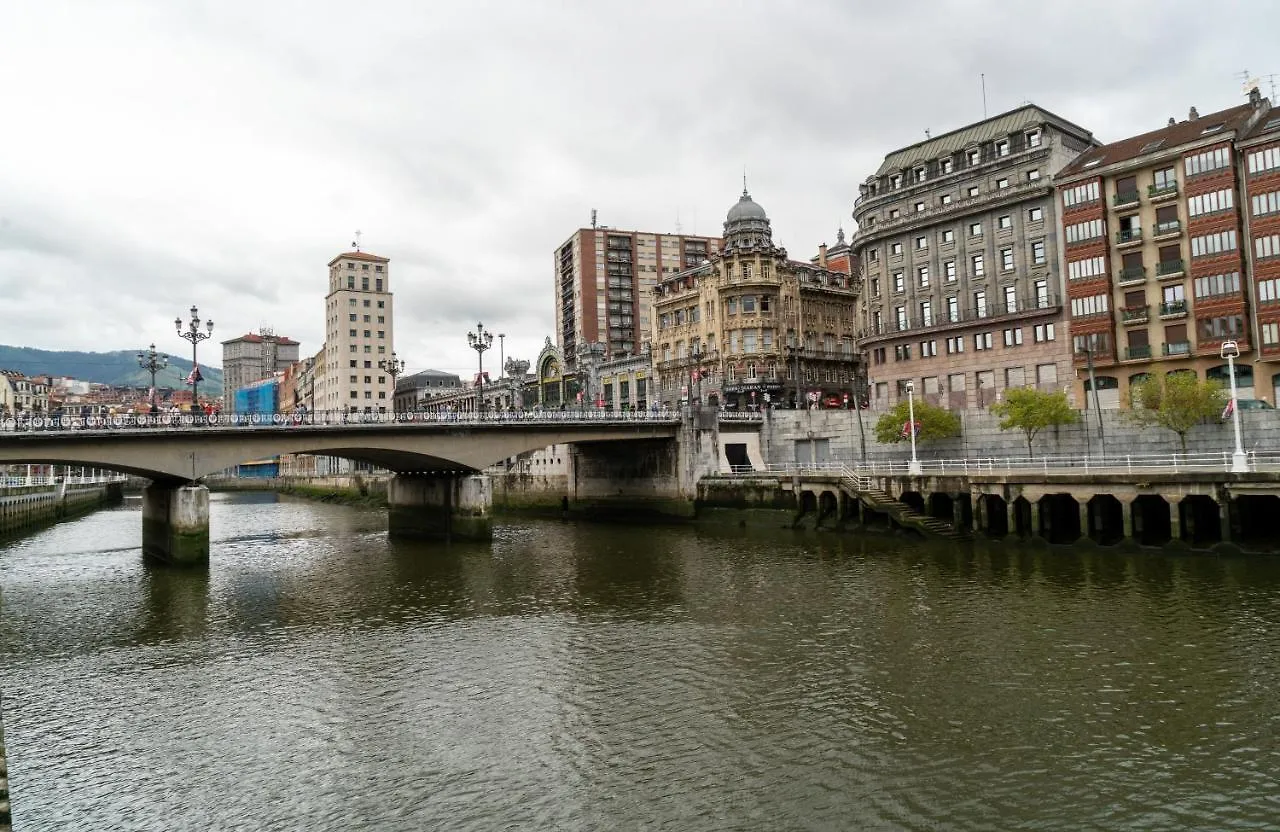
[1231,351]
[153,362]
[393,367]
[914,468]
[193,334]
[480,340]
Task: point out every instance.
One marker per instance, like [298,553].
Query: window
[980,303]
[1010,299]
[368,334]
[1002,147]
[1266,203]
[1037,252]
[895,181]
[922,243]
[731,306]
[928,349]
[902,352]
[972,191]
[1033,174]
[382,333]
[921,173]
[949,271]
[922,277]
[1271,334]
[894,213]
[1005,221]
[945,199]
[382,319]
[975,229]
[1165,179]
[1208,161]
[896,249]
[899,283]
[918,207]
[1213,243]
[1211,202]
[953,309]
[945,166]
[1268,290]
[381,304]
[974,156]
[1221,284]
[955,345]
[352,317]
[1002,183]
[353,379]
[749,341]
[875,287]
[748,304]
[977,265]
[900,316]
[1265,247]
[1268,159]
[1034,138]
[351,281]
[949,236]
[1081,231]
[1088,192]
[926,313]
[1089,267]
[982,341]
[1013,337]
[1215,329]
[873,255]
[353,333]
[1043,333]
[1090,306]
[1006,259]
[1035,215]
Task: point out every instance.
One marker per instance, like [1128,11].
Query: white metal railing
[41,476]
[314,419]
[1111,463]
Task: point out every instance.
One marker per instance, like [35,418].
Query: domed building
[751,328]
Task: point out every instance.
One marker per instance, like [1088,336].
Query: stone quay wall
[27,509]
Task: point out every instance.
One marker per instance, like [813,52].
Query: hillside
[117,368]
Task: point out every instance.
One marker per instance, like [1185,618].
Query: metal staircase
[861,487]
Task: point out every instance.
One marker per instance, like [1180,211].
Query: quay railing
[72,476]
[1111,463]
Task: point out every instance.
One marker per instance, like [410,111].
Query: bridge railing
[193,421]
[72,476]
[1111,463]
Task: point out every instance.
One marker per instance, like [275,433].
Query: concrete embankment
[26,509]
[352,490]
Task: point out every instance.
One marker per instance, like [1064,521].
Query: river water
[577,677]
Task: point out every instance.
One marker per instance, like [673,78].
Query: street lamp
[794,350]
[502,354]
[152,362]
[1231,351]
[393,367]
[914,468]
[195,336]
[480,340]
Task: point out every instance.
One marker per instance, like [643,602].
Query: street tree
[1031,411]
[935,423]
[1177,402]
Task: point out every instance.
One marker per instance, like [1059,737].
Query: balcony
[1128,237]
[1160,193]
[1173,309]
[1178,348]
[1168,269]
[1166,229]
[1134,315]
[1126,198]
[1137,353]
[1132,276]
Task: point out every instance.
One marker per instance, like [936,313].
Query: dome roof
[745,209]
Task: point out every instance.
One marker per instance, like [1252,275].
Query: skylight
[1212,128]
[1275,122]
[1093,163]
[1150,146]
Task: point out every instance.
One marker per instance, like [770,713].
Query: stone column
[1011,512]
[1036,529]
[1084,519]
[957,513]
[1175,519]
[1126,517]
[441,507]
[175,524]
[1224,517]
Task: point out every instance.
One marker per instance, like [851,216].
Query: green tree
[1031,411]
[1177,401]
[935,423]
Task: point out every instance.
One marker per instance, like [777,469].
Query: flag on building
[1229,409]
[194,375]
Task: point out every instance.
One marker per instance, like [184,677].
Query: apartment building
[1260,172]
[253,357]
[751,326]
[358,335]
[958,246]
[604,280]
[1158,271]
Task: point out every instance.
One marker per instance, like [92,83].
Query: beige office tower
[358,336]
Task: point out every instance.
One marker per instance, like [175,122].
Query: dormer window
[945,166]
[895,181]
[920,174]
[974,156]
[1002,147]
[1033,138]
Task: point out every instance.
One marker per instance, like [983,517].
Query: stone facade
[253,357]
[359,334]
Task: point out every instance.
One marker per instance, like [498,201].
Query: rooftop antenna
[679,230]
[926,134]
[1249,82]
[356,244]
[593,218]
[744,179]
[983,77]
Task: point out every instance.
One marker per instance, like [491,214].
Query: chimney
[1172,121]
[1255,98]
[822,255]
[1193,115]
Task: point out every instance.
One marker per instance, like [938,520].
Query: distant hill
[119,368]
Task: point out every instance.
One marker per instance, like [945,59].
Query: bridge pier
[444,507]
[175,524]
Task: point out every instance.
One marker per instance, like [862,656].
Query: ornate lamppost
[480,340]
[193,334]
[914,468]
[1231,351]
[393,367]
[502,354]
[153,362]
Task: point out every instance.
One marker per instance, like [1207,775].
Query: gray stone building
[413,390]
[958,243]
[253,357]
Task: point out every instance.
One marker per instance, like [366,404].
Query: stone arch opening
[1059,518]
[1256,513]
[1198,514]
[996,512]
[1022,525]
[1106,520]
[1108,392]
[828,506]
[1151,522]
[941,505]
[914,499]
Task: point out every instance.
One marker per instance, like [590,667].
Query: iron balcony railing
[1128,235]
[1174,307]
[1133,353]
[1134,313]
[1178,348]
[1167,227]
[1126,198]
[1133,274]
[1170,267]
[1165,190]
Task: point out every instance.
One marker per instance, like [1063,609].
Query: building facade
[253,357]
[359,335]
[20,394]
[751,327]
[1158,256]
[604,280]
[412,391]
[958,245]
[1259,155]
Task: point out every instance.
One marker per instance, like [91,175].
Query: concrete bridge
[437,489]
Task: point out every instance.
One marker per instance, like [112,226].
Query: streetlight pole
[1239,462]
[502,355]
[1090,341]
[152,362]
[914,468]
[858,388]
[195,336]
[393,367]
[480,340]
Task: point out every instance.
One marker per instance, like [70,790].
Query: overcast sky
[160,154]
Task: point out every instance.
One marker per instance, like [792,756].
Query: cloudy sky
[160,154]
